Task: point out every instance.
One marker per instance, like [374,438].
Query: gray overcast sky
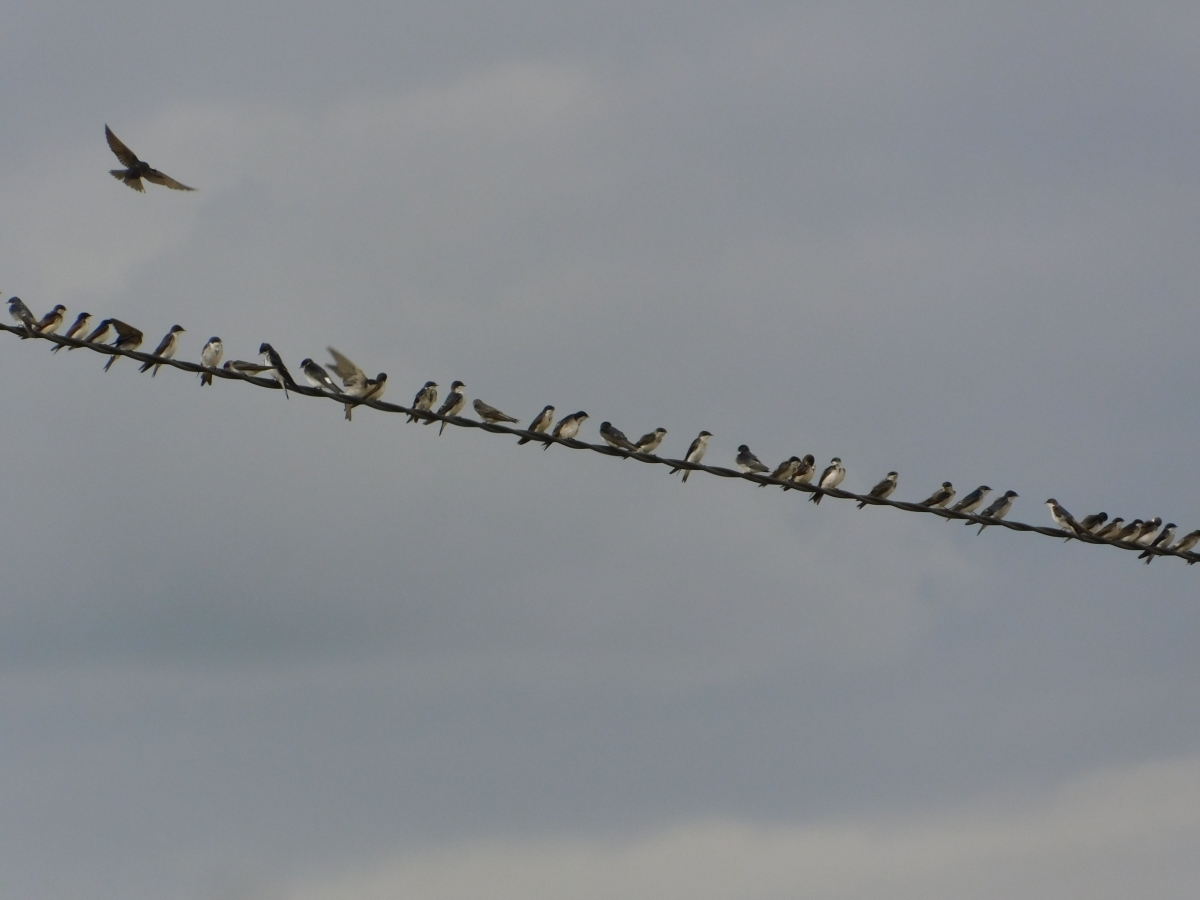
[250,652]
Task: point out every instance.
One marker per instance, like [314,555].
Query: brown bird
[136,170]
[128,338]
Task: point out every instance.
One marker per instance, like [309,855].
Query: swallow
[695,452]
[1127,532]
[972,501]
[1146,535]
[490,413]
[275,367]
[452,405]
[785,470]
[1091,524]
[1104,532]
[614,437]
[21,315]
[1186,543]
[135,170]
[539,425]
[128,338]
[318,377]
[426,397]
[805,471]
[830,478]
[649,442]
[245,368]
[568,426]
[748,462]
[165,349]
[998,510]
[100,334]
[77,330]
[210,356]
[940,497]
[50,322]
[1063,519]
[1163,540]
[883,490]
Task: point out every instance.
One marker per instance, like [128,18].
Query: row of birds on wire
[1147,535]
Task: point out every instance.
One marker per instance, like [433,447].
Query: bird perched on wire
[1093,523]
[275,367]
[21,315]
[805,471]
[490,413]
[77,330]
[998,510]
[358,385]
[165,349]
[50,322]
[972,501]
[883,490]
[1163,540]
[1186,543]
[100,333]
[748,462]
[695,453]
[128,338]
[614,437]
[539,425]
[241,367]
[940,497]
[1146,534]
[210,355]
[425,398]
[1063,519]
[318,377]
[1107,531]
[568,427]
[830,478]
[1127,532]
[650,441]
[135,170]
[784,471]
[452,405]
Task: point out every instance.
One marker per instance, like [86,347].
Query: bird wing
[124,154]
[125,330]
[345,369]
[165,180]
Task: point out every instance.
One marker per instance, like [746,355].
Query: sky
[249,651]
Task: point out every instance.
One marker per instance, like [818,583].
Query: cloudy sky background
[250,652]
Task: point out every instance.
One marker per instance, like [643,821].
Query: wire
[603,449]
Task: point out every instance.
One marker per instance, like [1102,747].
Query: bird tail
[349,407]
[862,503]
[443,428]
[205,378]
[523,441]
[686,473]
[981,527]
[816,497]
[112,359]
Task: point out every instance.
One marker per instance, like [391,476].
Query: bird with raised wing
[128,338]
[135,170]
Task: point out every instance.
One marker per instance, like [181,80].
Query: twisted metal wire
[604,449]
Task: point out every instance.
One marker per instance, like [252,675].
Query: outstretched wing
[124,154]
[125,330]
[345,369]
[165,180]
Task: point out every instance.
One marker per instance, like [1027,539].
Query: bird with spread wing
[135,170]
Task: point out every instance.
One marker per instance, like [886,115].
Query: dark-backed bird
[135,170]
[998,510]
[316,376]
[614,437]
[568,426]
[165,349]
[128,338]
[539,424]
[1062,518]
[972,501]
[77,330]
[22,315]
[940,497]
[490,413]
[785,470]
[100,334]
[1091,524]
[426,397]
[357,384]
[1186,543]
[452,405]
[210,355]
[650,441]
[830,478]
[277,370]
[1105,532]
[695,452]
[1127,532]
[1146,534]
[883,490]
[805,471]
[1163,539]
[51,321]
[242,367]
[748,462]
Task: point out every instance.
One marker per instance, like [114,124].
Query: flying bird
[1163,540]
[650,442]
[568,426]
[77,330]
[972,501]
[490,413]
[695,452]
[426,397]
[748,462]
[452,405]
[940,497]
[21,315]
[50,322]
[830,478]
[614,437]
[1063,519]
[128,338]
[316,376]
[785,470]
[998,510]
[165,349]
[135,170]
[275,367]
[883,490]
[539,425]
[211,356]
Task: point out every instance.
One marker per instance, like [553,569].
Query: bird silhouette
[136,170]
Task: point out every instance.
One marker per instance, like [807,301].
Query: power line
[603,449]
